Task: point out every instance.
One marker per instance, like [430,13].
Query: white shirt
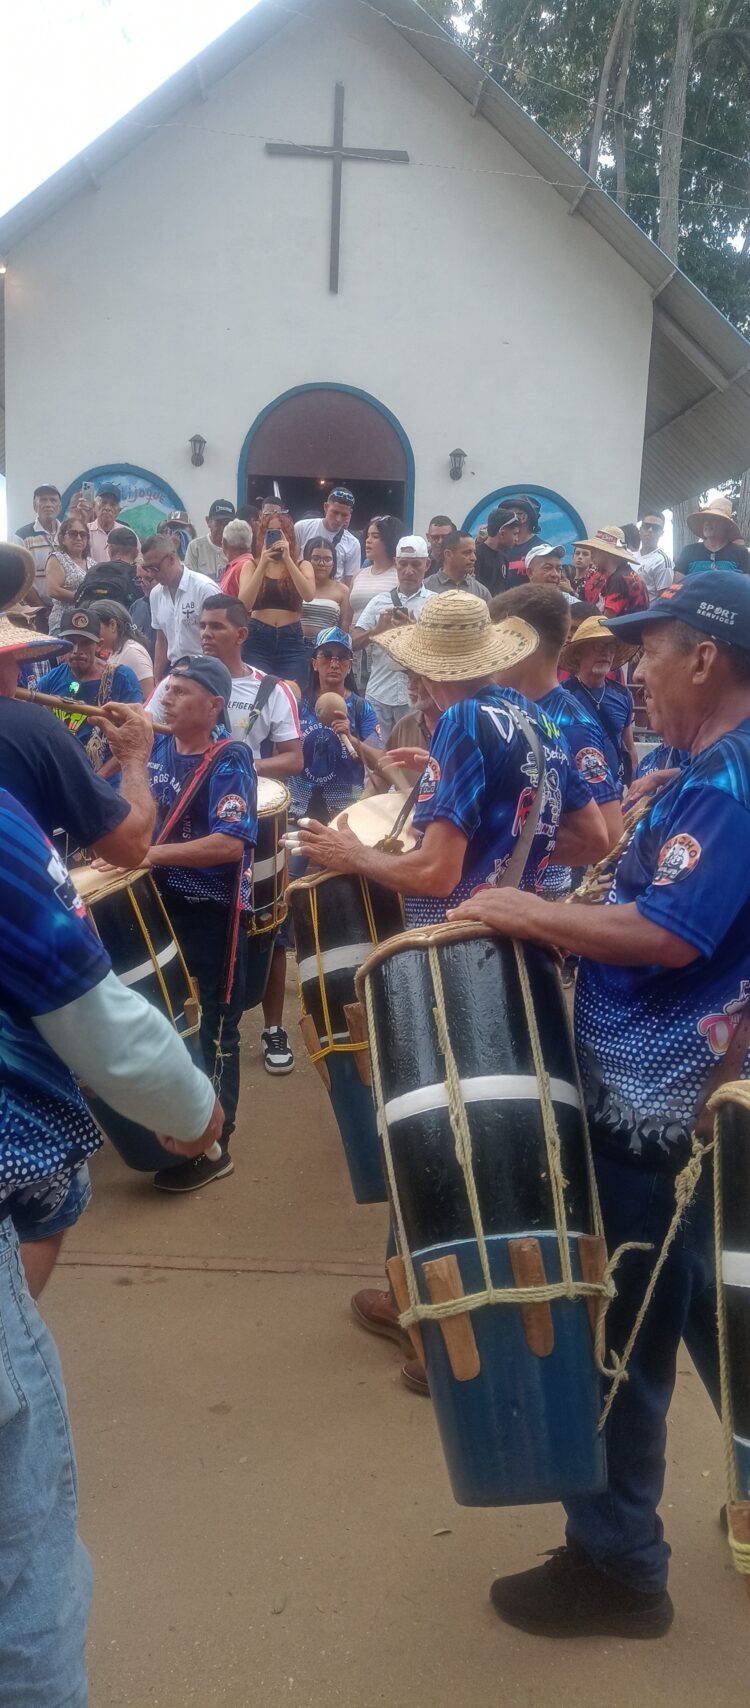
[348,550]
[365,586]
[387,682]
[656,571]
[177,614]
[133,654]
[202,555]
[277,721]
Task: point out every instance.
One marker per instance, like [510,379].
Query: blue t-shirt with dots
[648,1037]
[50,957]
[481,775]
[226,802]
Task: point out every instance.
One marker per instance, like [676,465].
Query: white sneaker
[278,1057]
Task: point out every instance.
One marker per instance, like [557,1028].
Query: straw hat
[611,540]
[721,507]
[455,640]
[594,629]
[16,577]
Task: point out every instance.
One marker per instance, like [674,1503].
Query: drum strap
[518,861]
[189,789]
[261,701]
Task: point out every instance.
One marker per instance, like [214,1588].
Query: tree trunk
[673,128]
[626,47]
[681,535]
[590,149]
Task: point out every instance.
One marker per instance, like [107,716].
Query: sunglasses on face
[332,657]
[76,533]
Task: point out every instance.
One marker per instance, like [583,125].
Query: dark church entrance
[317,437]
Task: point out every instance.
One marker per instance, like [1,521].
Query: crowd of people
[492,669]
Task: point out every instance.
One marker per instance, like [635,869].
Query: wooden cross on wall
[337,153]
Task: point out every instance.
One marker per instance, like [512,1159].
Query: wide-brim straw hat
[594,629]
[609,539]
[718,507]
[16,579]
[454,640]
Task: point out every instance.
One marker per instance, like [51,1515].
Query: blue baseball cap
[717,603]
[334,637]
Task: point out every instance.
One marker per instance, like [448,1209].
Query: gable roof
[697,429]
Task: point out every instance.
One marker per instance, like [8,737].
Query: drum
[501,1256]
[268,870]
[126,910]
[732,1186]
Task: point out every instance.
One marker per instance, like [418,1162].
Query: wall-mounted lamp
[197,447]
[458,458]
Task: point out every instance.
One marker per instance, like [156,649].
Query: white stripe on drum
[335,960]
[135,975]
[740,1440]
[735,1268]
[486,1088]
[267,868]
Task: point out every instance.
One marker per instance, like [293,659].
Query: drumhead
[374,818]
[273,797]
[91,885]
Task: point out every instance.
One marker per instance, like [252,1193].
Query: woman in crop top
[273,590]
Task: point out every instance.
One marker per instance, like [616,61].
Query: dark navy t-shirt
[648,1037]
[481,776]
[46,769]
[697,559]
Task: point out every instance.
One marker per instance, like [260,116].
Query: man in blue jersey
[591,656]
[62,1012]
[664,979]
[479,785]
[200,869]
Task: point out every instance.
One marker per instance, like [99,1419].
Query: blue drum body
[338,920]
[733,1271]
[518,1424]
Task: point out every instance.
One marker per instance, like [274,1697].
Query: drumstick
[59,703]
[330,706]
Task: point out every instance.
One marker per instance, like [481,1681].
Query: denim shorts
[49,1207]
[45,1574]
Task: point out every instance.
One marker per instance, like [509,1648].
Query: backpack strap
[518,861]
[261,700]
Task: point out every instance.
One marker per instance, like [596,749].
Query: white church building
[332,249]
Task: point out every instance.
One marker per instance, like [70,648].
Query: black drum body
[733,1272]
[519,1421]
[338,920]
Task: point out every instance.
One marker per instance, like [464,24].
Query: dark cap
[222,510]
[124,537]
[80,623]
[210,673]
[109,491]
[46,486]
[501,517]
[717,603]
[529,506]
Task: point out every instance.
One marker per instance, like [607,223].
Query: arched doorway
[317,436]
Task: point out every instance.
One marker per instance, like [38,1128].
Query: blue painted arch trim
[350,391]
[104,470]
[501,492]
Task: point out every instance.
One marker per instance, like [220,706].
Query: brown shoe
[414,1376]
[375,1310]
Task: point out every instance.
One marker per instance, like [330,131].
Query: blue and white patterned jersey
[226,802]
[482,776]
[648,1037]
[50,957]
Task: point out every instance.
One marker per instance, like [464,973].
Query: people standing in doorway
[612,584]
[106,512]
[457,571]
[719,544]
[273,591]
[495,550]
[387,690]
[337,514]
[330,605]
[66,569]
[438,530]
[655,567]
[176,600]
[40,536]
[206,553]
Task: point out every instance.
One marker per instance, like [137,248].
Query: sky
[72,67]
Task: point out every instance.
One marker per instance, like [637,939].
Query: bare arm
[130,735]
[55,578]
[346,607]
[251,581]
[619,936]
[582,838]
[628,742]
[286,760]
[434,869]
[214,850]
[161,662]
[611,812]
[360,639]
[301,574]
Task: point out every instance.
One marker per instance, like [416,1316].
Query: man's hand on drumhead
[408,758]
[334,850]
[128,729]
[505,911]
[196,1147]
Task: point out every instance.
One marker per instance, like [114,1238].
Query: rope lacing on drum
[330,1048]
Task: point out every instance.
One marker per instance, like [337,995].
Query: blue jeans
[44,1210]
[620,1529]
[45,1574]
[280,652]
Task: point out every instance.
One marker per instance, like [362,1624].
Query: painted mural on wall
[559,521]
[145,499]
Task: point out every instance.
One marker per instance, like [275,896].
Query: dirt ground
[267,1507]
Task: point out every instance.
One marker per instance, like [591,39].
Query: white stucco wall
[192,288]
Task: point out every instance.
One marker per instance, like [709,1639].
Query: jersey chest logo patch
[430,780]
[591,764]
[677,859]
[231,809]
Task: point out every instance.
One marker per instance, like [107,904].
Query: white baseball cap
[543,551]
[412,545]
